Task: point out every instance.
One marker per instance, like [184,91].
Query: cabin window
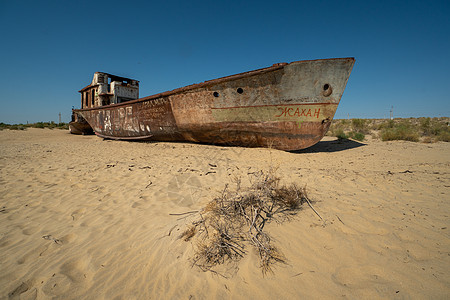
[86,99]
[92,97]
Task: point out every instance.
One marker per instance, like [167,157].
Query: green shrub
[12,127]
[344,129]
[400,131]
[340,134]
[360,126]
[359,136]
[426,130]
[386,124]
[444,136]
[63,126]
[425,126]
[49,125]
[344,122]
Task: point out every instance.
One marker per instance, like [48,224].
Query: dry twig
[238,217]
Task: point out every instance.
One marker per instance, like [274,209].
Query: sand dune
[87,218]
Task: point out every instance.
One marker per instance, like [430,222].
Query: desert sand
[86,218]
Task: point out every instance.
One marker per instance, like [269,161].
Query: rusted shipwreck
[287,106]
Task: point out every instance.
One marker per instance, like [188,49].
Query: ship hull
[80,126]
[286,106]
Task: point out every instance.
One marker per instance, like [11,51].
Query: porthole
[216,94]
[327,90]
[240,90]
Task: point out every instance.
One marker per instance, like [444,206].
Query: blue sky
[50,49]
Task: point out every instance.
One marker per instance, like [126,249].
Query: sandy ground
[86,218]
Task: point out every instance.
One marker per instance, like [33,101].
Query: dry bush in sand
[344,129]
[427,130]
[238,217]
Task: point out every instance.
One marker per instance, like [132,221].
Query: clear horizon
[51,49]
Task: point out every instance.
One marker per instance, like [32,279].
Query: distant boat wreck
[288,106]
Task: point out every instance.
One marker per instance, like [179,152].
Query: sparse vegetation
[16,127]
[402,130]
[50,125]
[355,129]
[359,136]
[427,130]
[435,130]
[340,134]
[238,217]
[360,125]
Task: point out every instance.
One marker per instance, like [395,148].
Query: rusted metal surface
[285,106]
[79,125]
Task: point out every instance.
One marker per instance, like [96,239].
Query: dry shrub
[238,217]
[345,129]
[402,130]
[338,128]
[188,233]
[360,125]
[427,130]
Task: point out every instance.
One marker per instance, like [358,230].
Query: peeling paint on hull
[286,106]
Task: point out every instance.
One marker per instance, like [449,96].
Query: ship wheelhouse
[106,89]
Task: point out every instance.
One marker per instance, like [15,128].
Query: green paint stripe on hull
[297,113]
